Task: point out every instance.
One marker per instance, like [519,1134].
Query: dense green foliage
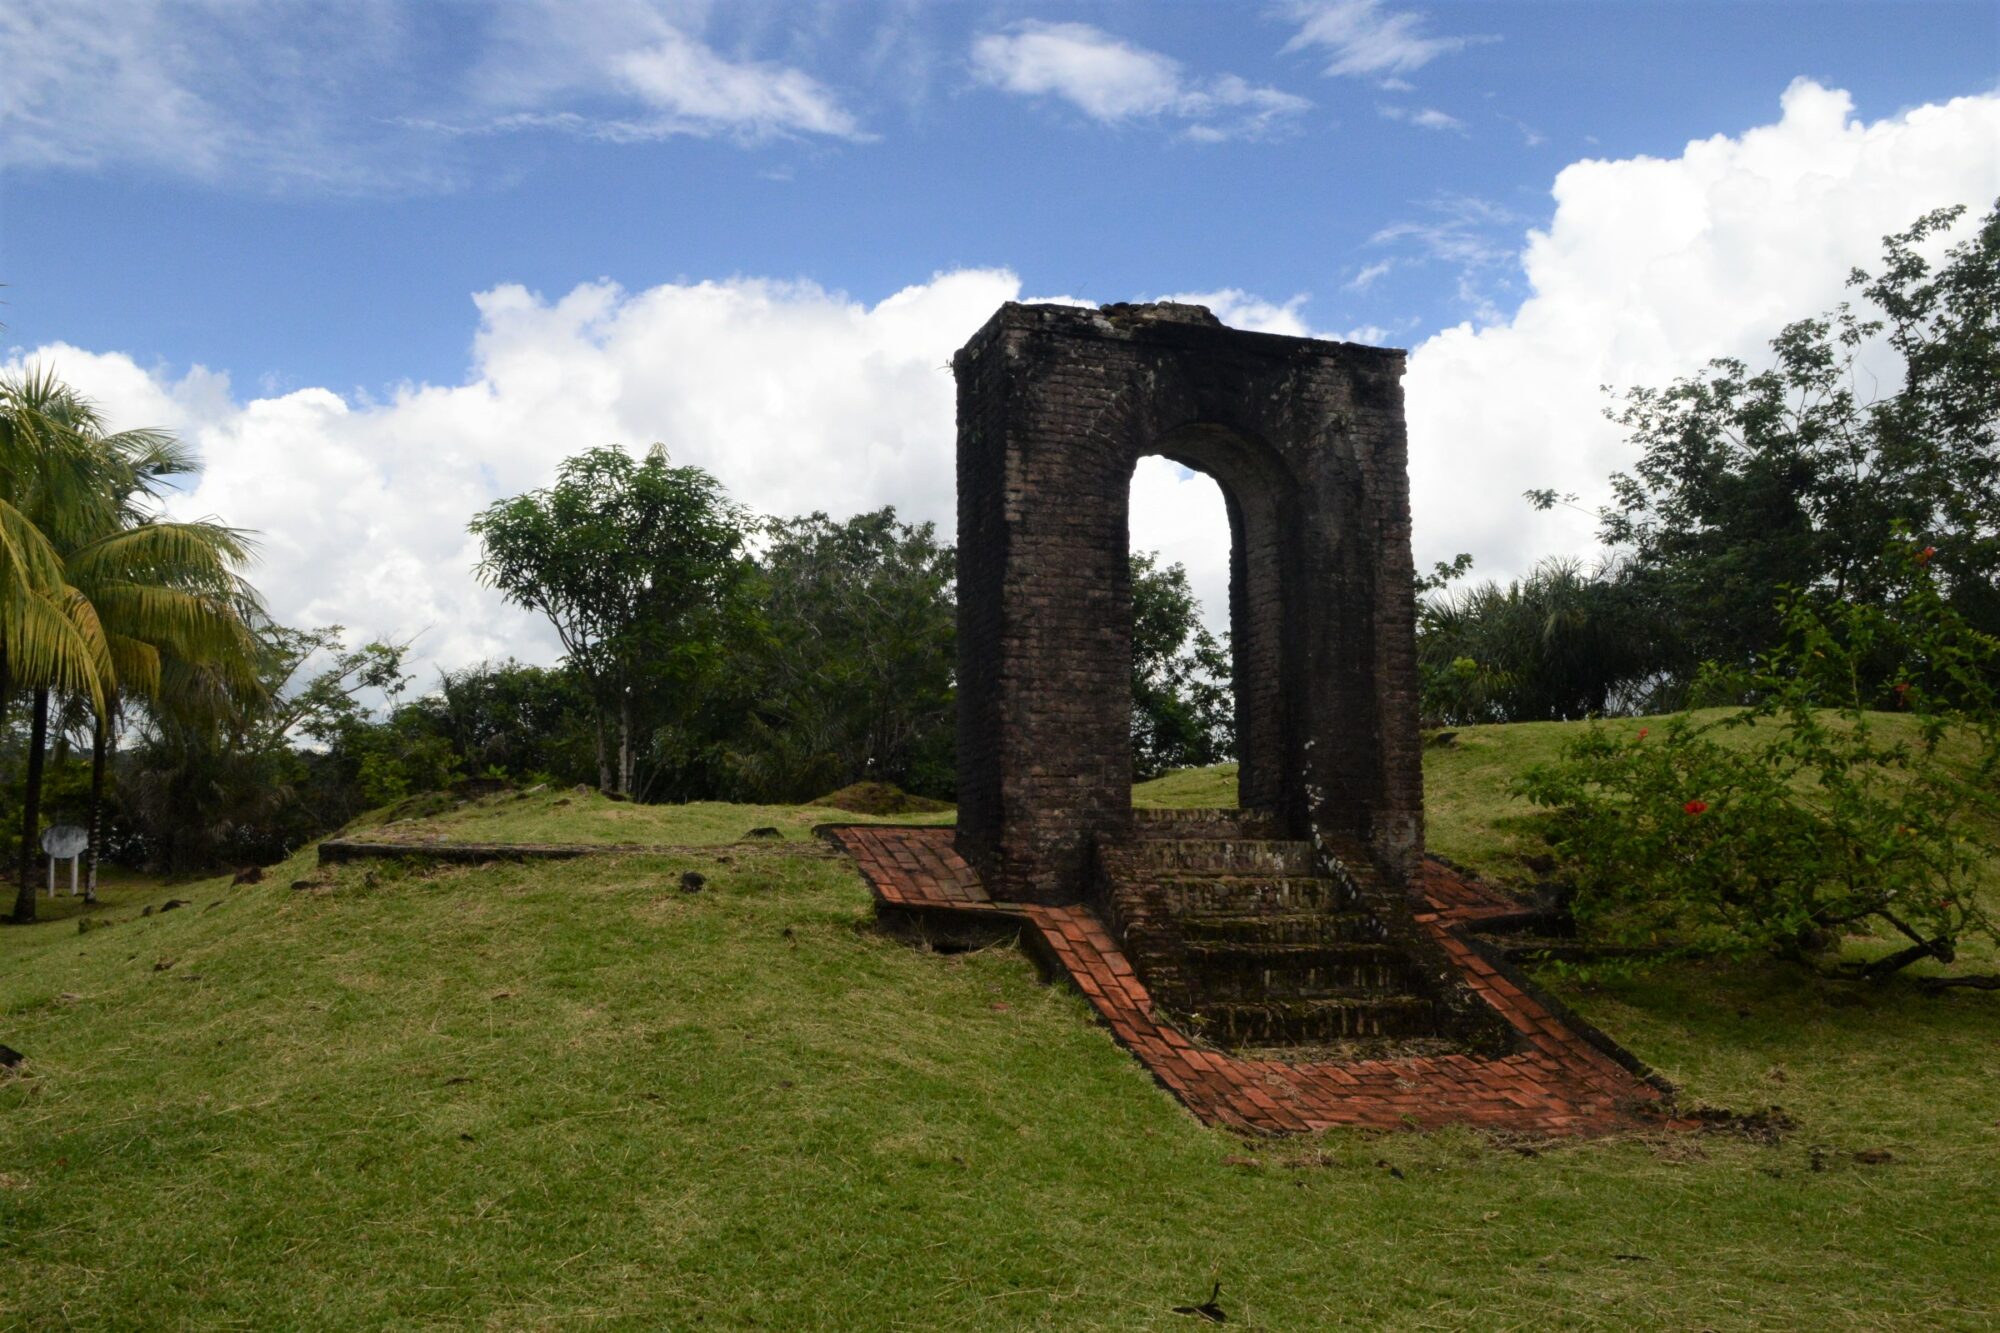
[1750,483]
[1755,486]
[823,659]
[1562,643]
[276,765]
[1824,823]
[846,675]
[1183,713]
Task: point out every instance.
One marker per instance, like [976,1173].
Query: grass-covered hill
[573,1095]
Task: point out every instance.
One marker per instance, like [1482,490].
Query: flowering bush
[1786,823]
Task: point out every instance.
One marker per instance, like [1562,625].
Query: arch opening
[1183,683]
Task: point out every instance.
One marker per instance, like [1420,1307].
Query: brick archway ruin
[1291,962]
[1056,405]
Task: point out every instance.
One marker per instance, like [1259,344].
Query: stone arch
[1056,406]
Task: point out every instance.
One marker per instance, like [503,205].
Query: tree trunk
[99,745]
[625,744]
[31,812]
[603,758]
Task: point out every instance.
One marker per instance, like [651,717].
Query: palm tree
[176,619]
[51,478]
[115,595]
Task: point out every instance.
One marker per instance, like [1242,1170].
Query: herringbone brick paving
[1556,1081]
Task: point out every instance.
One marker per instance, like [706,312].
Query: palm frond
[55,643]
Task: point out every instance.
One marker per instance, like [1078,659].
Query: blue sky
[266,224]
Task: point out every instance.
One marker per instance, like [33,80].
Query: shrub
[1821,820]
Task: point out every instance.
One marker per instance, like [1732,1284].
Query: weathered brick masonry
[1056,406]
[1555,1077]
[1291,925]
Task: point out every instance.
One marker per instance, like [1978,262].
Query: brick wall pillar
[1056,405]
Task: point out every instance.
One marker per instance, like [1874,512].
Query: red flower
[1696,807]
[1924,556]
[1642,733]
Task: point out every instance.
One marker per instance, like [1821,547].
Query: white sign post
[64,842]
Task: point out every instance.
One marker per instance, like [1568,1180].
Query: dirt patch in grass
[880,798]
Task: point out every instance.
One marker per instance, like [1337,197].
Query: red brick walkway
[1557,1082]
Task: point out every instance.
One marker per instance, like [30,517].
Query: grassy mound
[880,798]
[568,1094]
[583,815]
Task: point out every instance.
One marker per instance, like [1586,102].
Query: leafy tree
[630,561]
[849,661]
[260,768]
[1816,820]
[1792,477]
[1181,700]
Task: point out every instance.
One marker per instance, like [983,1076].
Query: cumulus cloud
[1365,37]
[800,398]
[1113,81]
[795,397]
[1648,268]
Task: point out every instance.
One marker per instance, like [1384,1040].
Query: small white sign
[63,841]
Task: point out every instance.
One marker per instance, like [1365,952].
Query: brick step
[1239,972]
[1200,823]
[1186,896]
[1276,927]
[1283,1021]
[1153,857]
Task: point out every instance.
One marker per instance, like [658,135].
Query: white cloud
[1241,310]
[199,88]
[1367,277]
[799,398]
[1648,268]
[1424,118]
[1113,81]
[795,397]
[1530,136]
[362,97]
[1363,37]
[693,84]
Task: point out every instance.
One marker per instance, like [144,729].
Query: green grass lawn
[582,815]
[570,1095]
